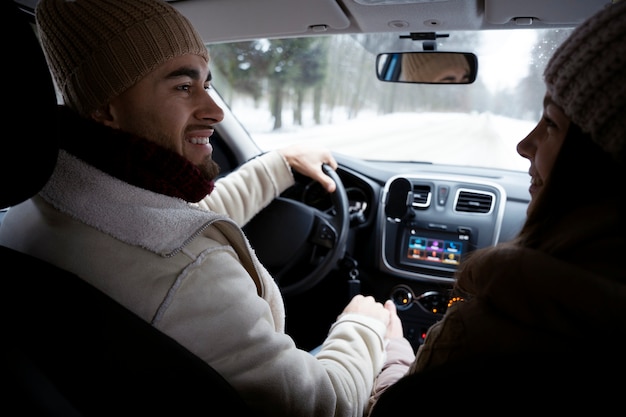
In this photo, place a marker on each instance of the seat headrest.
(29, 151)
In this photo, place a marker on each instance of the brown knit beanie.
(97, 49)
(586, 77)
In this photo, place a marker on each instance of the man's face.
(171, 106)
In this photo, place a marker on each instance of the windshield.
(324, 90)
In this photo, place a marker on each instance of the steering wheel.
(300, 244)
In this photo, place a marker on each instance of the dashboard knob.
(402, 296)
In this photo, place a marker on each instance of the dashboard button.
(442, 194)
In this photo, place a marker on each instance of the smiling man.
(131, 208)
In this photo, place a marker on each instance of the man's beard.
(209, 168)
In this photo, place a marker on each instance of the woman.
(565, 269)
(560, 285)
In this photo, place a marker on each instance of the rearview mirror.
(432, 67)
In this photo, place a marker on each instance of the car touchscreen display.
(425, 250)
(436, 251)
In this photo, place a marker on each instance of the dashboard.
(427, 224)
(420, 221)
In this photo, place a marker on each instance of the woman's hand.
(394, 329)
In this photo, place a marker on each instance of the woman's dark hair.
(583, 174)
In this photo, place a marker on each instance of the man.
(131, 208)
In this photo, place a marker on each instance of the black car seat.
(68, 349)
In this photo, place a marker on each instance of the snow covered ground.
(449, 138)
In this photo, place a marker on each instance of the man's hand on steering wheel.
(298, 243)
(308, 160)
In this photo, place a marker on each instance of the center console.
(429, 225)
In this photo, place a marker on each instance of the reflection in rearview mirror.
(432, 67)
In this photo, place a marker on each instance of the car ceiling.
(226, 20)
(233, 20)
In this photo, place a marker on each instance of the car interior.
(393, 229)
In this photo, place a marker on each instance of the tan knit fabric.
(97, 49)
(586, 76)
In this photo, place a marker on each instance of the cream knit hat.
(586, 77)
(97, 49)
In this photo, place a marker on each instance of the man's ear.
(103, 115)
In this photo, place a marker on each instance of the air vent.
(421, 196)
(471, 201)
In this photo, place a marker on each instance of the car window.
(325, 90)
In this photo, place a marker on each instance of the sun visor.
(300, 17)
(545, 11)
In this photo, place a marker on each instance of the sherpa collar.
(131, 214)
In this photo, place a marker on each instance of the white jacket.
(191, 273)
